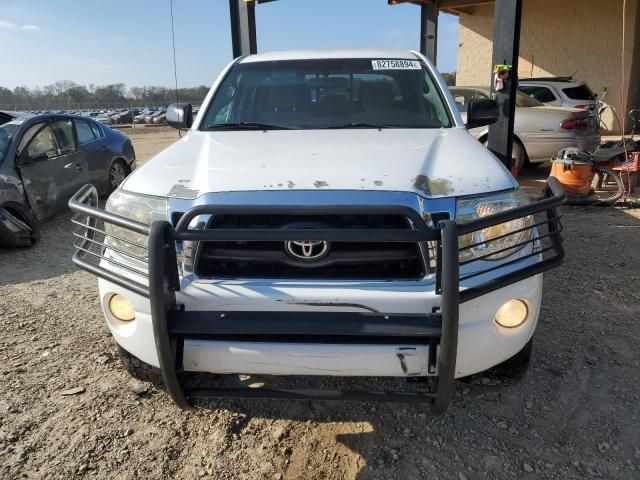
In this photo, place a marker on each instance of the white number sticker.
(396, 65)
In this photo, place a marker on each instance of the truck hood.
(432, 163)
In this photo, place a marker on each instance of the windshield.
(6, 133)
(334, 93)
(524, 100)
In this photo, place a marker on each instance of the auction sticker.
(396, 64)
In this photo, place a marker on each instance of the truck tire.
(138, 369)
(517, 366)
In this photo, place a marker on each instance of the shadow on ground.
(50, 257)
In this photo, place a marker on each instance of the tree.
(66, 94)
(6, 96)
(137, 93)
(79, 94)
(62, 86)
(110, 94)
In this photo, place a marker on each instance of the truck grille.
(341, 260)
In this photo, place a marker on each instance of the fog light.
(512, 314)
(121, 308)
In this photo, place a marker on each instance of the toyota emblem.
(307, 250)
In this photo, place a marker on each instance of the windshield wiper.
(247, 126)
(377, 125)
(357, 125)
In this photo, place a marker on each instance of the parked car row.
(154, 116)
(117, 117)
(151, 116)
(121, 116)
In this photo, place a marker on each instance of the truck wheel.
(139, 369)
(516, 366)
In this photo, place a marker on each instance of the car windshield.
(524, 100)
(334, 93)
(6, 133)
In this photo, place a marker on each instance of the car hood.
(432, 163)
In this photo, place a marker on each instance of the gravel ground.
(68, 410)
(150, 140)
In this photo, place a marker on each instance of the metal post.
(429, 30)
(243, 27)
(450, 308)
(506, 49)
(163, 282)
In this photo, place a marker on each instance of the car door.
(51, 167)
(92, 142)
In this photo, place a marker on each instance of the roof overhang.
(454, 7)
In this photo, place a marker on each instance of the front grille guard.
(153, 273)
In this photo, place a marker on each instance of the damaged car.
(7, 116)
(44, 159)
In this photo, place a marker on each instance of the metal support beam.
(429, 30)
(447, 4)
(243, 27)
(506, 49)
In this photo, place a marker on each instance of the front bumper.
(434, 329)
(481, 343)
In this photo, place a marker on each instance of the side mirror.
(180, 115)
(481, 113)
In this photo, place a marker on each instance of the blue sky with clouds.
(129, 41)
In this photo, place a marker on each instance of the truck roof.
(318, 54)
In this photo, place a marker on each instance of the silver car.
(540, 130)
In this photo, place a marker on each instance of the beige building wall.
(569, 37)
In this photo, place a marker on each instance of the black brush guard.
(172, 323)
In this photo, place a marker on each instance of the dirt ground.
(576, 414)
(148, 141)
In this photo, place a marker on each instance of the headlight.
(508, 234)
(141, 208)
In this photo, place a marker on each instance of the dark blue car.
(44, 159)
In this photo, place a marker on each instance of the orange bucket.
(574, 175)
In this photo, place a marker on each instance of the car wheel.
(518, 156)
(117, 173)
(23, 229)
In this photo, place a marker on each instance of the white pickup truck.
(327, 214)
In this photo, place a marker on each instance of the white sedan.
(540, 130)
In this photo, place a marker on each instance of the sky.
(129, 41)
